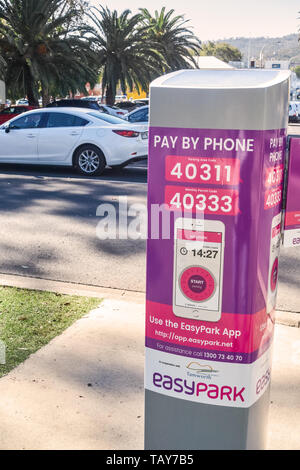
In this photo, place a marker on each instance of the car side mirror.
(7, 129)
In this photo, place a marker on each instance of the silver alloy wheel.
(88, 161)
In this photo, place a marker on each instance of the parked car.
(141, 101)
(23, 101)
(90, 98)
(126, 105)
(83, 138)
(92, 104)
(119, 98)
(112, 110)
(12, 111)
(140, 115)
(294, 111)
(74, 103)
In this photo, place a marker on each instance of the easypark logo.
(224, 393)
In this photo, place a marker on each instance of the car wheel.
(89, 160)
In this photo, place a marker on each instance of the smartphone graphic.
(198, 269)
(273, 263)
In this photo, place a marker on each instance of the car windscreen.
(107, 118)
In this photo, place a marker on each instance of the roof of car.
(21, 106)
(139, 109)
(71, 102)
(65, 109)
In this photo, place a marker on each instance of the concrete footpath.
(84, 390)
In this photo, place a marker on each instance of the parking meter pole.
(216, 168)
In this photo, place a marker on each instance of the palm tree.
(43, 49)
(125, 56)
(168, 33)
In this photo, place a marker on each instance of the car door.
(19, 139)
(59, 137)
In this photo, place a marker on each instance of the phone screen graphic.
(198, 269)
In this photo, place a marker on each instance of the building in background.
(211, 62)
(277, 64)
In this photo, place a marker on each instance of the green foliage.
(54, 47)
(44, 48)
(222, 51)
(170, 36)
(124, 54)
(133, 50)
(297, 71)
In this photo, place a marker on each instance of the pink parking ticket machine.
(216, 170)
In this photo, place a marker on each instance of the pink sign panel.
(292, 210)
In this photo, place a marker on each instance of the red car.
(12, 111)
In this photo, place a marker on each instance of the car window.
(103, 110)
(93, 105)
(8, 110)
(138, 116)
(29, 121)
(20, 110)
(62, 103)
(78, 104)
(80, 121)
(65, 120)
(107, 118)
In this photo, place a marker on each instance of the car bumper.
(131, 160)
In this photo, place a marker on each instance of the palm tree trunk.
(110, 95)
(28, 84)
(45, 95)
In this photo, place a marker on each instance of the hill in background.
(281, 48)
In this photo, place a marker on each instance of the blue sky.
(219, 19)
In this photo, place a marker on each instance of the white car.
(82, 138)
(139, 116)
(23, 101)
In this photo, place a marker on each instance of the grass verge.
(30, 319)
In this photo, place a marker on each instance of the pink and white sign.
(211, 287)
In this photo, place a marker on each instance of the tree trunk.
(29, 88)
(110, 96)
(45, 96)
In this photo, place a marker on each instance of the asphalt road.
(48, 230)
(48, 226)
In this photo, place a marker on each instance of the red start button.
(197, 284)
